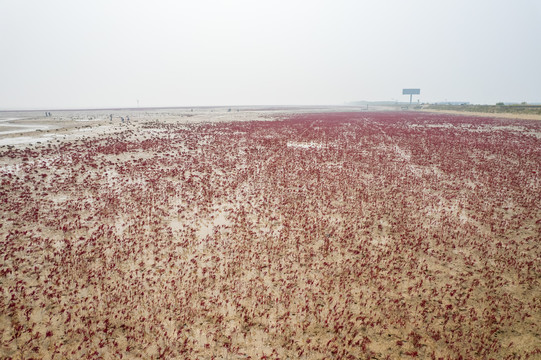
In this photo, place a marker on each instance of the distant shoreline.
(486, 114)
(519, 111)
(210, 107)
(508, 112)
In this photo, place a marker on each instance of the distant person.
(110, 117)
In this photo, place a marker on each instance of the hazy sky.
(89, 54)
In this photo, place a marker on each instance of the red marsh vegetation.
(311, 236)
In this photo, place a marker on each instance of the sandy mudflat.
(269, 233)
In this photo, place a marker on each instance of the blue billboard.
(411, 91)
